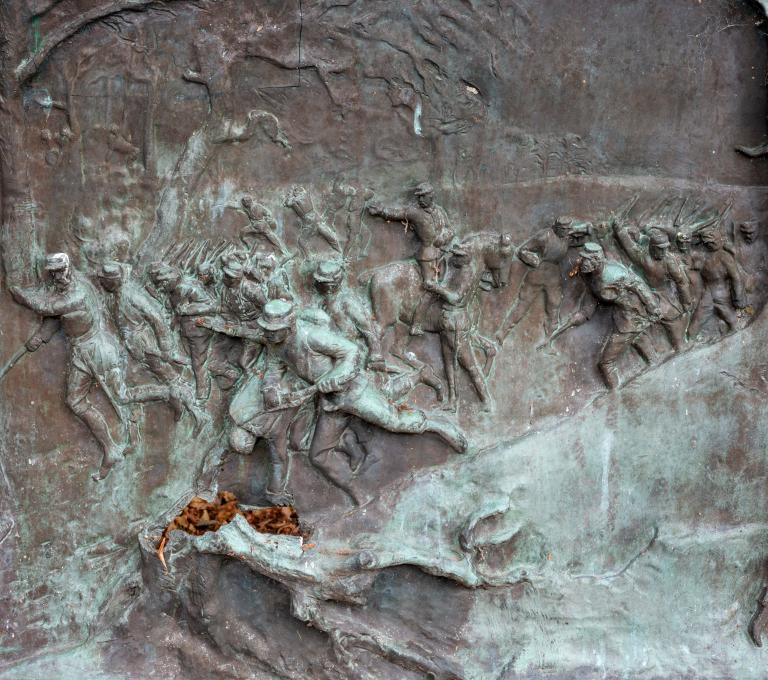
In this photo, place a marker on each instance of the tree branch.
(30, 64)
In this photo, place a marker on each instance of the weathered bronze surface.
(474, 288)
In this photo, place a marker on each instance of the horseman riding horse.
(399, 299)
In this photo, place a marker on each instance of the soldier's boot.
(421, 309)
(277, 489)
(355, 451)
(181, 397)
(114, 452)
(448, 432)
(280, 498)
(426, 375)
(610, 375)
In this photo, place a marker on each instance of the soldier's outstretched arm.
(344, 353)
(451, 297)
(198, 303)
(629, 245)
(587, 306)
(393, 213)
(533, 249)
(461, 282)
(197, 308)
(232, 329)
(646, 295)
(45, 331)
(41, 301)
(586, 309)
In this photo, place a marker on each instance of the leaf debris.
(200, 516)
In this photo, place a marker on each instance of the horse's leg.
(401, 337)
(384, 313)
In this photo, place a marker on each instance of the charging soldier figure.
(280, 415)
(665, 272)
(189, 300)
(752, 260)
(301, 202)
(71, 303)
(722, 285)
(430, 224)
(241, 302)
(347, 311)
(544, 254)
(139, 318)
(635, 309)
(330, 364)
(353, 319)
(456, 326)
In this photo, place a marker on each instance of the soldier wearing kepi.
(456, 326)
(347, 310)
(331, 364)
(752, 260)
(722, 284)
(241, 302)
(71, 303)
(148, 339)
(430, 224)
(312, 223)
(543, 253)
(189, 301)
(665, 272)
(635, 309)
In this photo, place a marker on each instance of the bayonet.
(17, 356)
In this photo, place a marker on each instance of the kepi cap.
(164, 273)
(233, 268)
(659, 238)
(329, 271)
(56, 262)
(111, 270)
(591, 248)
(277, 314)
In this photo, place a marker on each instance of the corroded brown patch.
(200, 516)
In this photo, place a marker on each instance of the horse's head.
(498, 257)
